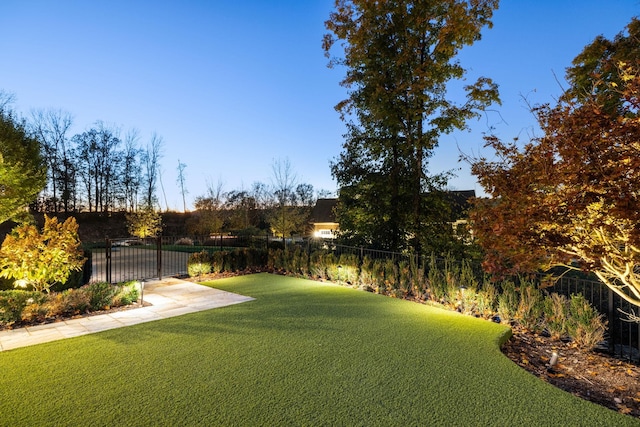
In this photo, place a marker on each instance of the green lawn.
(302, 353)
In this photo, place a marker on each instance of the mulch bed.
(592, 376)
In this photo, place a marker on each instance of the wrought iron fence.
(124, 259)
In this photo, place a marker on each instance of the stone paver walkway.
(168, 298)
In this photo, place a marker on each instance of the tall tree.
(285, 218)
(23, 171)
(571, 196)
(182, 183)
(400, 56)
(99, 161)
(131, 179)
(52, 128)
(151, 164)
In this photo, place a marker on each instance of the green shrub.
(507, 302)
(317, 269)
(331, 264)
(13, 302)
(378, 275)
(556, 310)
(217, 261)
(127, 294)
(435, 281)
(404, 278)
(585, 325)
(199, 263)
(530, 307)
(100, 295)
(52, 254)
(486, 300)
(365, 279)
(390, 275)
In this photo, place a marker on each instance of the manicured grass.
(302, 353)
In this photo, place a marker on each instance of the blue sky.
(233, 85)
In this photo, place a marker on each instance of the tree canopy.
(570, 197)
(23, 171)
(399, 57)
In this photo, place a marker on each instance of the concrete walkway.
(168, 298)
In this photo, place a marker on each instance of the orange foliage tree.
(571, 197)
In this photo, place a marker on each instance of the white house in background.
(323, 219)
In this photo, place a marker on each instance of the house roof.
(323, 211)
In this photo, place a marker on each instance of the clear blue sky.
(233, 85)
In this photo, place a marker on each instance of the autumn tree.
(400, 57)
(571, 196)
(23, 171)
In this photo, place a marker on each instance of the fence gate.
(126, 259)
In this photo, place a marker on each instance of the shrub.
(68, 302)
(556, 308)
(199, 263)
(13, 302)
(507, 302)
(366, 273)
(436, 281)
(530, 307)
(585, 325)
(317, 268)
(377, 272)
(127, 294)
(486, 300)
(38, 259)
(100, 295)
(217, 261)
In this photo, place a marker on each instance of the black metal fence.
(124, 259)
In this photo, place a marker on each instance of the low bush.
(101, 295)
(127, 294)
(585, 325)
(13, 303)
(530, 307)
(199, 263)
(556, 311)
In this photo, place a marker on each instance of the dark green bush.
(13, 302)
(101, 295)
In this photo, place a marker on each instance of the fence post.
(159, 253)
(107, 254)
(612, 322)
